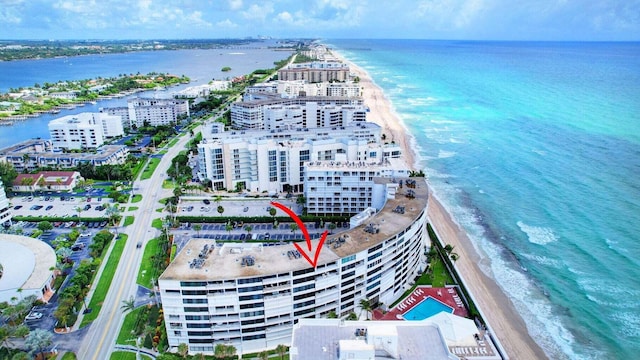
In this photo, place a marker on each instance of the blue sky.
(424, 19)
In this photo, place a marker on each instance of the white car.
(33, 316)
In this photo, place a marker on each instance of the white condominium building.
(300, 88)
(154, 112)
(314, 72)
(309, 112)
(5, 209)
(348, 187)
(251, 295)
(274, 160)
(84, 130)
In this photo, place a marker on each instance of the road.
(100, 339)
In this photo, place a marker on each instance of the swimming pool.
(426, 309)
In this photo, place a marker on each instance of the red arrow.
(302, 227)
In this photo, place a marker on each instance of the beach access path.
(496, 307)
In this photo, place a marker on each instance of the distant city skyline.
(601, 20)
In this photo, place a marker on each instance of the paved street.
(100, 339)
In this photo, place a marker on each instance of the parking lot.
(238, 206)
(264, 232)
(63, 206)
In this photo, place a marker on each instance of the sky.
(589, 20)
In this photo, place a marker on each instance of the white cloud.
(235, 4)
(226, 23)
(285, 16)
(446, 14)
(258, 12)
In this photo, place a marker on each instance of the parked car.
(33, 316)
(49, 207)
(206, 201)
(17, 207)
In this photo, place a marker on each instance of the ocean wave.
(543, 260)
(542, 322)
(540, 152)
(434, 121)
(631, 321)
(421, 101)
(442, 154)
(537, 234)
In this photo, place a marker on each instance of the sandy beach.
(496, 308)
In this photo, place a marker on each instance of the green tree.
(220, 209)
(197, 228)
(7, 174)
(44, 226)
(183, 350)
(365, 305)
(128, 305)
(38, 340)
(282, 350)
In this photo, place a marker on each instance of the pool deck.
(448, 296)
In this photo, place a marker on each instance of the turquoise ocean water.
(535, 149)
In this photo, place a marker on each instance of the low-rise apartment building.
(37, 153)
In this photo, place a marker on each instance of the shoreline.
(496, 308)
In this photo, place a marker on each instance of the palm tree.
(248, 228)
(365, 305)
(128, 305)
(293, 227)
(183, 350)
(197, 228)
(228, 227)
(113, 213)
(263, 355)
(281, 350)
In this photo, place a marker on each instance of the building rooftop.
(26, 262)
(301, 100)
(320, 339)
(225, 261)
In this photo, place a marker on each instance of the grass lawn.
(136, 170)
(146, 267)
(133, 208)
(128, 220)
(151, 167)
(128, 327)
(168, 184)
(439, 276)
(174, 141)
(125, 355)
(104, 283)
(136, 198)
(174, 249)
(272, 355)
(157, 223)
(69, 356)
